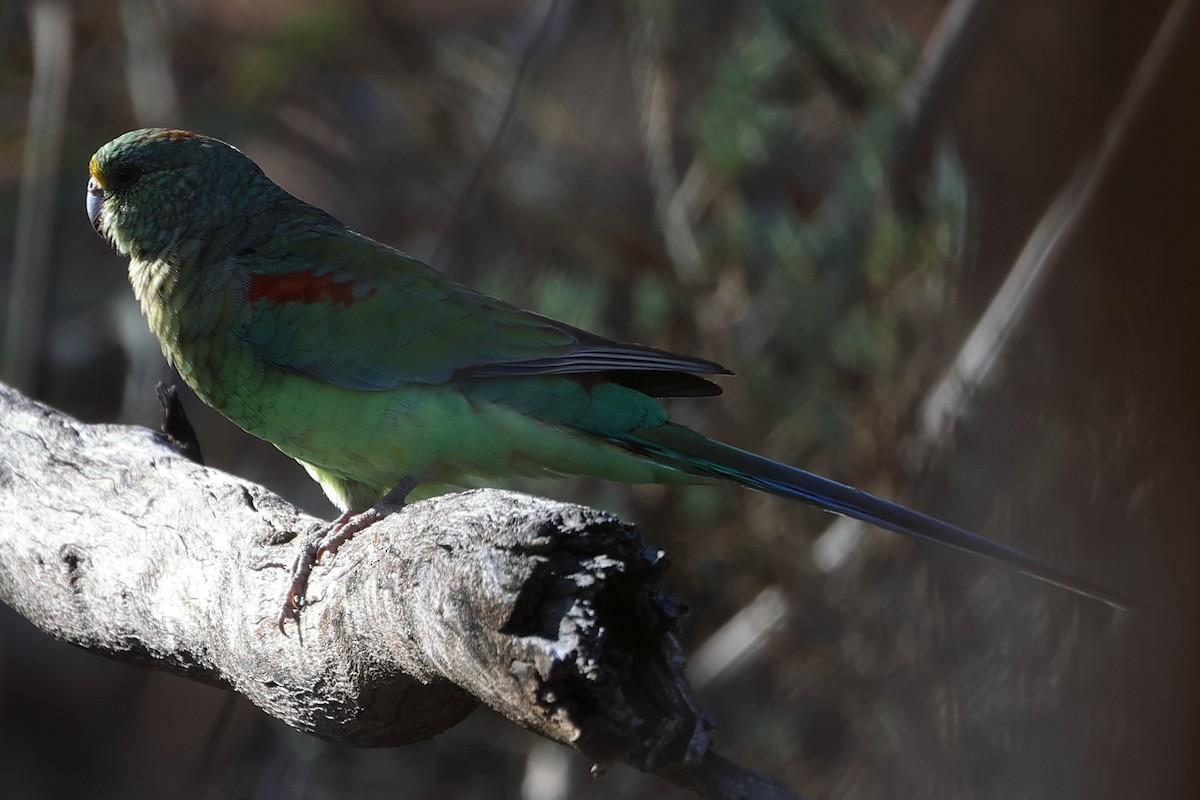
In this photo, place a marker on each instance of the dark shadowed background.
(830, 199)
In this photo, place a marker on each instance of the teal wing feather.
(338, 306)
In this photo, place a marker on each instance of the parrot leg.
(328, 540)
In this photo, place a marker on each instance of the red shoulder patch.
(305, 286)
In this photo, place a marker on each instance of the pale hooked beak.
(95, 200)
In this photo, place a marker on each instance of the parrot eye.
(125, 176)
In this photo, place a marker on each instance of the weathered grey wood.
(552, 614)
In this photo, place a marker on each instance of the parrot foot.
(326, 541)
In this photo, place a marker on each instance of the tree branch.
(551, 614)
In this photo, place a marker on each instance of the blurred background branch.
(541, 22)
(50, 24)
(676, 215)
(148, 63)
(983, 350)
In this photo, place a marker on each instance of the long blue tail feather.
(693, 453)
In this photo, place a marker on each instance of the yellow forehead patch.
(94, 171)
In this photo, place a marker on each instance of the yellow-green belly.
(359, 444)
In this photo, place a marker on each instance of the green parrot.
(378, 374)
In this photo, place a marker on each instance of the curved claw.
(328, 540)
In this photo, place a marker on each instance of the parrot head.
(155, 188)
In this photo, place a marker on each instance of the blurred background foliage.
(772, 184)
